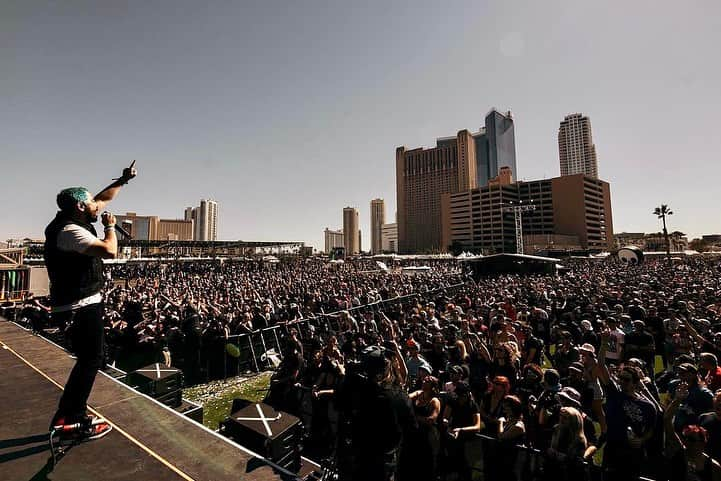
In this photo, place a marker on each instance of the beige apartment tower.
(576, 150)
(205, 220)
(422, 177)
(378, 218)
(351, 231)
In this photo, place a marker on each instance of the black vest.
(72, 276)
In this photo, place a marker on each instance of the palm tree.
(661, 213)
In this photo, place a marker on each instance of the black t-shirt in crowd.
(590, 337)
(462, 413)
(624, 411)
(636, 345)
(534, 343)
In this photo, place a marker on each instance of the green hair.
(68, 198)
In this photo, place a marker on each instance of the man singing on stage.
(73, 257)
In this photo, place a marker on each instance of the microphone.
(123, 231)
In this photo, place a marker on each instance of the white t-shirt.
(616, 340)
(73, 238)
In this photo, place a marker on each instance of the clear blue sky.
(287, 111)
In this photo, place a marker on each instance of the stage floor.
(149, 441)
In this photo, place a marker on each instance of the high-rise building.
(569, 210)
(351, 231)
(422, 176)
(389, 236)
(576, 150)
(205, 220)
(495, 146)
(333, 239)
(456, 164)
(378, 218)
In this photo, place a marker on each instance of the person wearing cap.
(698, 401)
(570, 397)
(577, 381)
(375, 417)
(547, 408)
(456, 376)
(588, 335)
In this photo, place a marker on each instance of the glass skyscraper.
(495, 147)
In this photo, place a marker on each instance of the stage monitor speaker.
(270, 433)
(157, 381)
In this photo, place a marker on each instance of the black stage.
(149, 441)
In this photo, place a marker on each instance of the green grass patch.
(217, 397)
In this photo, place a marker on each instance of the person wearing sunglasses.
(630, 419)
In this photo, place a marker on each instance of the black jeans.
(87, 342)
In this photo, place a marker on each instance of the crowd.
(606, 364)
(183, 313)
(609, 364)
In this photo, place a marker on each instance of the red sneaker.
(96, 430)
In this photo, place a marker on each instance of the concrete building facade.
(389, 238)
(333, 239)
(378, 218)
(569, 211)
(140, 227)
(351, 231)
(576, 151)
(175, 229)
(149, 227)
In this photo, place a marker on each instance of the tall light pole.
(518, 208)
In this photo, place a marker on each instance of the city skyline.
(234, 106)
